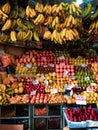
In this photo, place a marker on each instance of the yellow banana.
(7, 25)
(21, 35)
(53, 8)
(3, 15)
(39, 7)
(28, 36)
(47, 35)
(13, 36)
(35, 36)
(48, 20)
(21, 25)
(39, 20)
(73, 8)
(14, 23)
(30, 12)
(6, 8)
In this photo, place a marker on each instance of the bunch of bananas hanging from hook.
(64, 35)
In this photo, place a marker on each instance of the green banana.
(95, 15)
(87, 11)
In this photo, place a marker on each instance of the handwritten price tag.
(28, 66)
(35, 82)
(62, 64)
(62, 57)
(86, 78)
(93, 84)
(81, 100)
(46, 83)
(89, 90)
(33, 93)
(54, 90)
(71, 92)
(51, 65)
(43, 58)
(72, 86)
(65, 72)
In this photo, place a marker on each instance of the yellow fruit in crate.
(16, 90)
(20, 89)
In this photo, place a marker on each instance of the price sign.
(43, 58)
(71, 92)
(35, 82)
(89, 90)
(45, 66)
(28, 66)
(93, 84)
(81, 100)
(65, 72)
(62, 57)
(42, 77)
(46, 83)
(62, 64)
(51, 65)
(33, 93)
(71, 86)
(54, 90)
(86, 78)
(83, 65)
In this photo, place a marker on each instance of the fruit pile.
(85, 76)
(56, 98)
(59, 88)
(26, 64)
(65, 21)
(39, 98)
(81, 114)
(45, 58)
(29, 88)
(19, 99)
(62, 70)
(91, 97)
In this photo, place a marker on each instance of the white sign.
(54, 90)
(28, 66)
(35, 82)
(81, 100)
(46, 83)
(33, 93)
(86, 78)
(89, 90)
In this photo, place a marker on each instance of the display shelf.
(22, 45)
(28, 110)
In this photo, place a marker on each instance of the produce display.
(40, 73)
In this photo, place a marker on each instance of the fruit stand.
(49, 65)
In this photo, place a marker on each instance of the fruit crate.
(72, 124)
(82, 124)
(91, 123)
